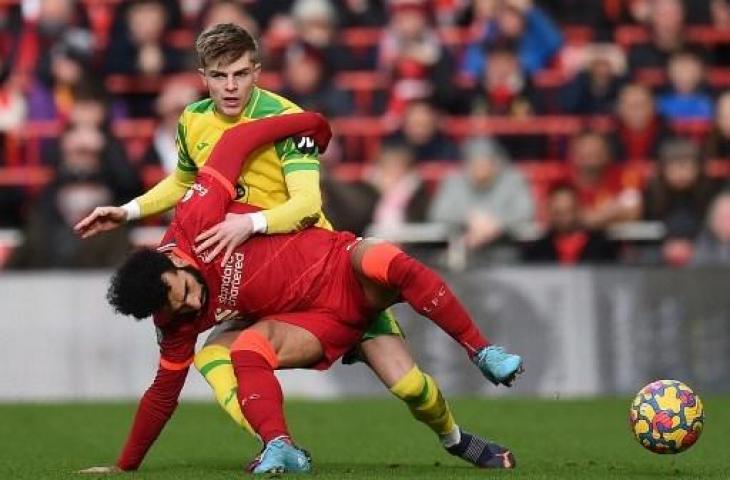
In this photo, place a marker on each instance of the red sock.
(259, 394)
(425, 291)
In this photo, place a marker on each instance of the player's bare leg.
(255, 354)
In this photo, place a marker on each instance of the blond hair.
(223, 44)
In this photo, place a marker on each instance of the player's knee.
(412, 386)
(210, 354)
(374, 259)
(256, 341)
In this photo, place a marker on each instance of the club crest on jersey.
(202, 191)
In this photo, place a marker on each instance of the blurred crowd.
(544, 125)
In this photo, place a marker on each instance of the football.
(666, 416)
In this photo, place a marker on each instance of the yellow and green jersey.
(278, 178)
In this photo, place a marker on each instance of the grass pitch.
(361, 439)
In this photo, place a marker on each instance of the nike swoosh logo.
(202, 145)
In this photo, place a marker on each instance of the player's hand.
(102, 470)
(102, 219)
(227, 235)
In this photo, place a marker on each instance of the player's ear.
(256, 72)
(203, 78)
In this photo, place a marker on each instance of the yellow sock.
(425, 401)
(214, 363)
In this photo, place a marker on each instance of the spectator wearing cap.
(421, 132)
(639, 130)
(687, 98)
(488, 198)
(718, 143)
(566, 240)
(537, 38)
(307, 82)
(412, 56)
(679, 196)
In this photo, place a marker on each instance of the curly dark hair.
(137, 288)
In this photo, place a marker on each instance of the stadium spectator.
(51, 93)
(475, 16)
(141, 49)
(420, 131)
(85, 179)
(87, 150)
(713, 244)
(13, 108)
(308, 83)
(361, 13)
(721, 21)
(638, 129)
(599, 15)
(666, 21)
(400, 194)
(228, 11)
(316, 25)
(679, 196)
(488, 199)
(687, 99)
(412, 56)
(12, 116)
(608, 193)
(566, 240)
(718, 143)
(58, 22)
(505, 88)
(523, 23)
(169, 105)
(593, 91)
(50, 241)
(348, 205)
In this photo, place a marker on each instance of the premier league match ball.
(666, 416)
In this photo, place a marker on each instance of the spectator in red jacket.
(608, 193)
(566, 240)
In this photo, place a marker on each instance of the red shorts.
(340, 314)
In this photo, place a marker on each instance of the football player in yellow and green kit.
(283, 180)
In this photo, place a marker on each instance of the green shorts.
(384, 323)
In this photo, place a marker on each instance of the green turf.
(361, 439)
